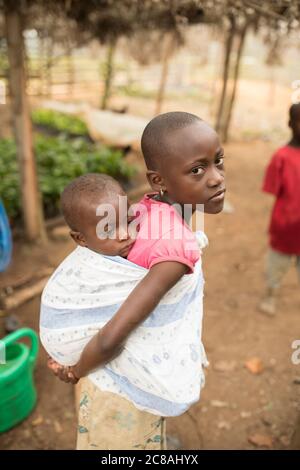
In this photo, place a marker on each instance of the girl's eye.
(220, 161)
(198, 171)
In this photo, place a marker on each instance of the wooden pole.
(108, 73)
(240, 47)
(167, 52)
(226, 71)
(22, 124)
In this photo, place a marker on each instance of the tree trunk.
(22, 124)
(167, 52)
(41, 65)
(226, 70)
(71, 71)
(227, 119)
(108, 73)
(272, 87)
(48, 67)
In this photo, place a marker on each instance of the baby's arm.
(109, 341)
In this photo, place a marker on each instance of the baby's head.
(184, 160)
(103, 233)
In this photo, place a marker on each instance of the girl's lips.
(219, 196)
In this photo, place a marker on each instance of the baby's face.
(105, 228)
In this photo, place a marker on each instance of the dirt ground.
(237, 407)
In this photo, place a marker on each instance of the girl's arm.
(109, 341)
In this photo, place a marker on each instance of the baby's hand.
(64, 373)
(67, 375)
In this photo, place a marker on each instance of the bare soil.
(236, 406)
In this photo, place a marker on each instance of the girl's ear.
(78, 238)
(155, 180)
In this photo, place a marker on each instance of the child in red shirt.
(282, 179)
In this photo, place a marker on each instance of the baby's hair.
(84, 191)
(154, 138)
(294, 111)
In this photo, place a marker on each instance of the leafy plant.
(9, 177)
(59, 161)
(59, 122)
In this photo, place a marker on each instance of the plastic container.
(17, 390)
(5, 239)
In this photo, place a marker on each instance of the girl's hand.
(64, 373)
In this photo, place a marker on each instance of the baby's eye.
(198, 171)
(130, 219)
(108, 229)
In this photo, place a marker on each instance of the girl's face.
(193, 172)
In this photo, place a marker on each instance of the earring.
(161, 192)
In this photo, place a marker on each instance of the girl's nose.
(215, 178)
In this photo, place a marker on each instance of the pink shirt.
(163, 236)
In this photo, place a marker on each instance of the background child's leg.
(107, 421)
(276, 267)
(298, 266)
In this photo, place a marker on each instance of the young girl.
(184, 166)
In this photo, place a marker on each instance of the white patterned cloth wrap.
(160, 368)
